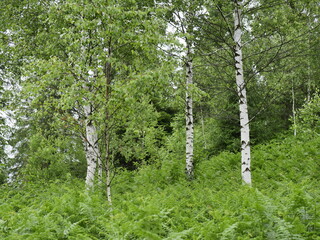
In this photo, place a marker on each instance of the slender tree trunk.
(108, 173)
(241, 88)
(309, 86)
(189, 117)
(100, 169)
(309, 68)
(91, 137)
(91, 147)
(100, 165)
(294, 111)
(203, 130)
(107, 133)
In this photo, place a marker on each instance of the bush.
(308, 117)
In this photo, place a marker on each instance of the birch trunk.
(92, 149)
(189, 118)
(293, 111)
(309, 86)
(203, 130)
(241, 88)
(108, 173)
(99, 169)
(107, 133)
(309, 68)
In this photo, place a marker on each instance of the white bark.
(108, 76)
(189, 119)
(108, 180)
(294, 111)
(243, 107)
(99, 169)
(92, 149)
(108, 167)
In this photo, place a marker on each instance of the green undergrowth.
(157, 203)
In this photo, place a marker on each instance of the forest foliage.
(106, 100)
(156, 203)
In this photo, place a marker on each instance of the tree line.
(94, 87)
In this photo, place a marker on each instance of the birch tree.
(269, 44)
(82, 51)
(108, 80)
(184, 21)
(241, 88)
(91, 147)
(189, 113)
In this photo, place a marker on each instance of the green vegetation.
(159, 119)
(154, 203)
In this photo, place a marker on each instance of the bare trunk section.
(108, 180)
(91, 147)
(309, 68)
(100, 169)
(243, 107)
(294, 111)
(309, 85)
(203, 130)
(189, 117)
(107, 162)
(108, 78)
